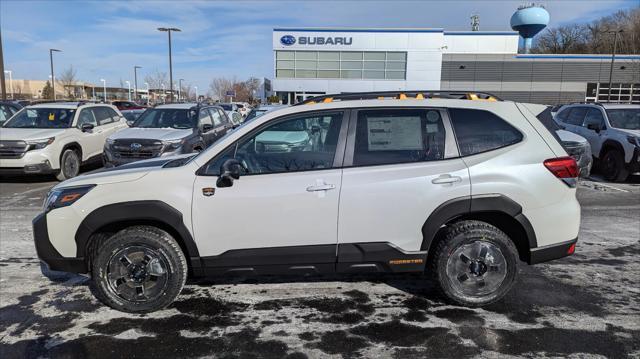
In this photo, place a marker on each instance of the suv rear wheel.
(613, 166)
(69, 165)
(139, 269)
(475, 264)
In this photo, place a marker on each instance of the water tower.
(529, 20)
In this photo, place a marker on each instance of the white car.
(613, 131)
(387, 186)
(233, 112)
(56, 138)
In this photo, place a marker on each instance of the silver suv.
(613, 131)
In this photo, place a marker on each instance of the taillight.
(565, 168)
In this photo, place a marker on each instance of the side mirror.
(130, 123)
(594, 127)
(229, 171)
(207, 127)
(86, 127)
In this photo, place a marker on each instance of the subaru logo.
(135, 147)
(287, 40)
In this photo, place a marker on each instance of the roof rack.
(402, 95)
(587, 103)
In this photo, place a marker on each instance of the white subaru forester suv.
(56, 138)
(418, 182)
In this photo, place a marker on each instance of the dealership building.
(316, 61)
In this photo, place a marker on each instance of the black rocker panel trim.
(315, 259)
(130, 212)
(461, 206)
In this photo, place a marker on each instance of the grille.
(136, 148)
(13, 149)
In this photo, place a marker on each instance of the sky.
(105, 39)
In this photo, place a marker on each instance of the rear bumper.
(552, 251)
(48, 254)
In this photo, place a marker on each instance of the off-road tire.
(617, 173)
(66, 173)
(149, 236)
(466, 232)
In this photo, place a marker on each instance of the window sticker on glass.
(432, 122)
(396, 134)
(52, 116)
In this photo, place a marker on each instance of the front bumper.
(48, 254)
(552, 251)
(634, 165)
(38, 168)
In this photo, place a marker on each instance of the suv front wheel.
(475, 264)
(69, 165)
(613, 166)
(139, 269)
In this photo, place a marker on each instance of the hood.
(30, 133)
(163, 134)
(283, 136)
(567, 136)
(629, 132)
(125, 173)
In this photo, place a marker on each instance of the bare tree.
(156, 78)
(244, 90)
(67, 80)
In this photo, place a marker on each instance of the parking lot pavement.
(588, 303)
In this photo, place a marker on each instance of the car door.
(91, 141)
(400, 165)
(228, 124)
(219, 126)
(284, 207)
(594, 117)
(575, 119)
(205, 119)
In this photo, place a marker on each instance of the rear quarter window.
(480, 131)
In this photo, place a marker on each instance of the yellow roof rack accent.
(310, 102)
(380, 97)
(419, 97)
(402, 97)
(328, 99)
(472, 96)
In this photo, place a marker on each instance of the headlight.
(62, 197)
(40, 143)
(634, 140)
(172, 145)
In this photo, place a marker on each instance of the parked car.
(387, 188)
(613, 131)
(131, 115)
(232, 111)
(56, 137)
(8, 109)
(167, 130)
(243, 108)
(127, 105)
(261, 110)
(576, 146)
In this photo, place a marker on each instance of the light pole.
(129, 86)
(148, 93)
(164, 93)
(169, 30)
(135, 81)
(104, 89)
(13, 96)
(196, 88)
(53, 78)
(180, 89)
(613, 57)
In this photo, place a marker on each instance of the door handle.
(446, 179)
(321, 187)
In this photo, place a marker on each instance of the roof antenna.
(475, 22)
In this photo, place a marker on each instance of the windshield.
(625, 118)
(41, 118)
(131, 115)
(166, 118)
(225, 106)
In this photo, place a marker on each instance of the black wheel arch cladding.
(496, 209)
(124, 214)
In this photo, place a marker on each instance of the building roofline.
(576, 56)
(356, 29)
(454, 33)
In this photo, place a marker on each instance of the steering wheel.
(248, 162)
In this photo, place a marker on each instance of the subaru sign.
(287, 40)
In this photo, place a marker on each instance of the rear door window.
(480, 131)
(594, 117)
(576, 116)
(398, 136)
(102, 115)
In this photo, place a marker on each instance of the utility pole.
(135, 82)
(180, 89)
(2, 84)
(53, 77)
(613, 57)
(169, 30)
